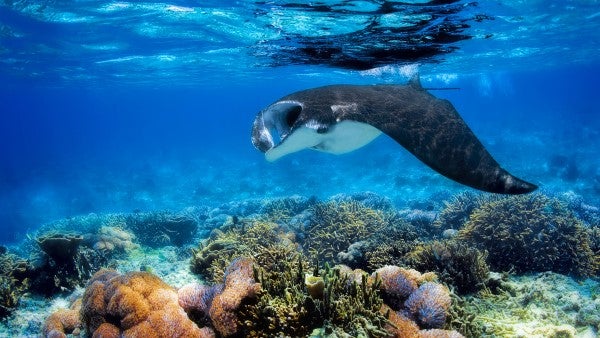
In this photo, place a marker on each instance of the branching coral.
(389, 245)
(138, 304)
(284, 209)
(531, 233)
(265, 241)
(457, 211)
(352, 305)
(15, 275)
(336, 225)
(456, 264)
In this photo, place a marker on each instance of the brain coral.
(63, 321)
(138, 304)
(531, 233)
(429, 305)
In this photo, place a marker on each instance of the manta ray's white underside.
(342, 137)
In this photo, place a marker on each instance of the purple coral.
(396, 285)
(429, 305)
(197, 297)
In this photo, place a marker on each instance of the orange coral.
(137, 304)
(400, 326)
(63, 321)
(396, 284)
(107, 330)
(239, 285)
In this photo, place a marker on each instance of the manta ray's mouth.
(274, 124)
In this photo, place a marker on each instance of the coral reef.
(334, 226)
(531, 233)
(283, 209)
(346, 304)
(538, 306)
(138, 304)
(455, 263)
(162, 228)
(387, 246)
(414, 299)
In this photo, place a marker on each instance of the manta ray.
(341, 118)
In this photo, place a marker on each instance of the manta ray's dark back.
(428, 127)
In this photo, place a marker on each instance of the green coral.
(265, 241)
(531, 233)
(14, 281)
(335, 225)
(390, 245)
(283, 305)
(352, 306)
(455, 263)
(348, 308)
(283, 209)
(457, 211)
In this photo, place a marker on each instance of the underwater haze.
(135, 108)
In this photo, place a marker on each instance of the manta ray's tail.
(508, 184)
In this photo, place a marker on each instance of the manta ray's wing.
(432, 130)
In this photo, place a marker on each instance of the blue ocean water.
(121, 106)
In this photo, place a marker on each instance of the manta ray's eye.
(292, 115)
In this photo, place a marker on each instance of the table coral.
(139, 304)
